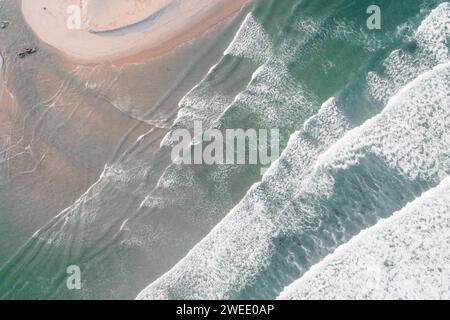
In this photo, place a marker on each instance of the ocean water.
(364, 120)
(370, 266)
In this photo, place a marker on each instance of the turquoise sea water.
(364, 118)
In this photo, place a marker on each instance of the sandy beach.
(103, 31)
(62, 121)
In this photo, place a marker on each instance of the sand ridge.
(98, 17)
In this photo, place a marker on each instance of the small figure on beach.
(26, 52)
(4, 24)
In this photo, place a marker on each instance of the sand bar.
(102, 31)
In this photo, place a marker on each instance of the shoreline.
(147, 39)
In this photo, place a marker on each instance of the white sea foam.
(402, 66)
(274, 97)
(205, 104)
(237, 247)
(434, 32)
(251, 41)
(198, 105)
(411, 135)
(336, 29)
(406, 256)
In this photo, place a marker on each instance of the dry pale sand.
(117, 14)
(114, 29)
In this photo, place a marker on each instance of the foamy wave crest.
(285, 104)
(406, 256)
(428, 48)
(251, 42)
(421, 110)
(205, 102)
